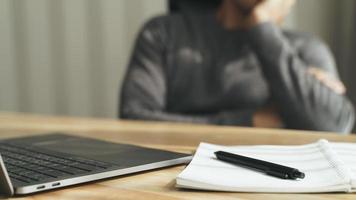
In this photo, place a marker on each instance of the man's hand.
(270, 11)
(332, 83)
(245, 14)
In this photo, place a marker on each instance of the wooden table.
(157, 184)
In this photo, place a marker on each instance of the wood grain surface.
(158, 184)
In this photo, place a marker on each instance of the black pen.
(268, 168)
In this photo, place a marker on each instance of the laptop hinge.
(6, 187)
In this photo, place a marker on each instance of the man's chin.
(244, 8)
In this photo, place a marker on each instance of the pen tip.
(299, 174)
(302, 175)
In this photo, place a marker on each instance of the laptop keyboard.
(28, 165)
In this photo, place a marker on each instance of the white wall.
(316, 17)
(67, 57)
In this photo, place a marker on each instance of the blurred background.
(68, 57)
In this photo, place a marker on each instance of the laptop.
(38, 163)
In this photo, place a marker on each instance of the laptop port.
(41, 187)
(56, 184)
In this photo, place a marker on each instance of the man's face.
(246, 6)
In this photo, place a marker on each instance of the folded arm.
(305, 100)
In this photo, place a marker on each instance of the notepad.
(328, 167)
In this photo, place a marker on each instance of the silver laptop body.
(39, 163)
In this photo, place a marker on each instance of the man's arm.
(144, 89)
(304, 101)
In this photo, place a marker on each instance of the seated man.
(235, 67)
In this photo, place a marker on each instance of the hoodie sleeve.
(303, 101)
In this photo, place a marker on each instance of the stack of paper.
(328, 167)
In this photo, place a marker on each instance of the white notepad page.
(324, 171)
(347, 154)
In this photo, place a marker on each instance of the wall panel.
(67, 57)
